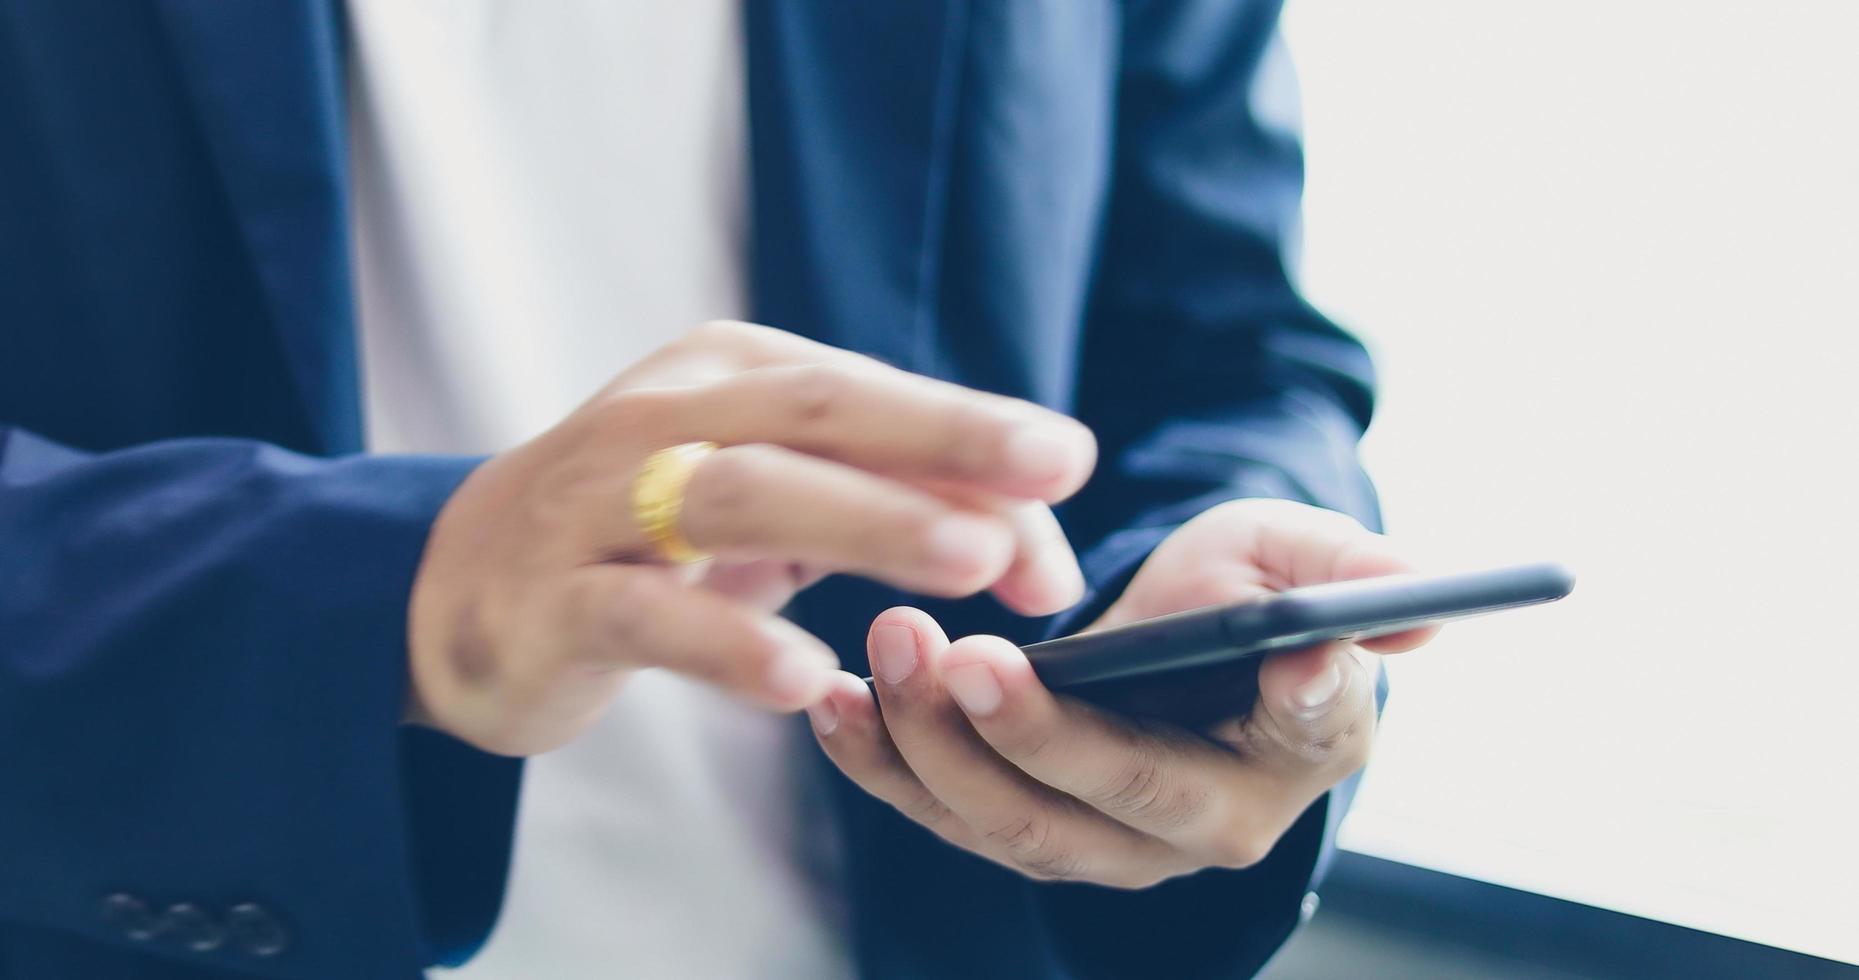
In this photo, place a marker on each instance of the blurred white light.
(1608, 256)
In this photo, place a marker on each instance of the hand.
(970, 745)
(538, 595)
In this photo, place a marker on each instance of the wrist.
(432, 597)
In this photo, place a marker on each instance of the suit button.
(256, 930)
(130, 916)
(188, 925)
(1307, 909)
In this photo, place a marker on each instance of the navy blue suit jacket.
(1085, 203)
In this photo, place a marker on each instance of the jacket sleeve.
(202, 676)
(1207, 378)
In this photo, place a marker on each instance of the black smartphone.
(1357, 609)
(1201, 665)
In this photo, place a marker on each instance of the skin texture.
(971, 746)
(537, 596)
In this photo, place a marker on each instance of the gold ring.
(658, 498)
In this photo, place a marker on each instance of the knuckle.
(1145, 789)
(1025, 744)
(818, 393)
(723, 486)
(1248, 738)
(1348, 747)
(1136, 785)
(923, 807)
(1341, 745)
(1051, 867)
(975, 440)
(1032, 844)
(1021, 835)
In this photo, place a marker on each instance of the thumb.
(1316, 710)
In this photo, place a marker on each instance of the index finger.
(895, 423)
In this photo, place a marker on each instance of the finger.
(1216, 579)
(1401, 642)
(719, 348)
(1162, 781)
(761, 501)
(897, 423)
(767, 585)
(1021, 822)
(638, 616)
(1373, 558)
(850, 730)
(1044, 577)
(1314, 720)
(753, 345)
(1303, 545)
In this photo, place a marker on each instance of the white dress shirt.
(543, 193)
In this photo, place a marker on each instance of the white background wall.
(1608, 255)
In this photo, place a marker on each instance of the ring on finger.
(658, 499)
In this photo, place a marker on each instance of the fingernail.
(893, 652)
(961, 540)
(1320, 690)
(824, 715)
(1040, 452)
(974, 687)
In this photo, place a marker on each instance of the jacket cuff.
(211, 675)
(461, 822)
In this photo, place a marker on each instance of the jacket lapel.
(266, 81)
(852, 113)
(852, 110)
(848, 178)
